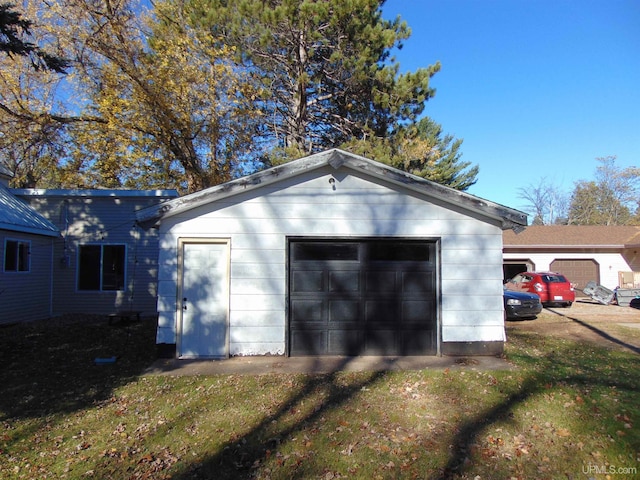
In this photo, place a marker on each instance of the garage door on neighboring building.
(578, 272)
(362, 297)
(511, 268)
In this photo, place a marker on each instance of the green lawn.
(566, 410)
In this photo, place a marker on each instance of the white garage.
(331, 254)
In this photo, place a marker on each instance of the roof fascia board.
(39, 192)
(263, 178)
(509, 217)
(30, 230)
(562, 248)
(556, 247)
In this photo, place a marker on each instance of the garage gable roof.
(337, 159)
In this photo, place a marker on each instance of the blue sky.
(538, 89)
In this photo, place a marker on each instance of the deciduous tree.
(158, 104)
(172, 108)
(153, 99)
(609, 198)
(32, 133)
(546, 202)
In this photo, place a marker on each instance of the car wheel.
(567, 305)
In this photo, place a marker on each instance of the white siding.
(259, 222)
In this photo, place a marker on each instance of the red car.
(552, 288)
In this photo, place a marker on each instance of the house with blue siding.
(76, 251)
(331, 254)
(27, 242)
(102, 261)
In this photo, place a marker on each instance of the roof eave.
(30, 230)
(154, 214)
(508, 218)
(40, 192)
(564, 247)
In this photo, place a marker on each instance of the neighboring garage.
(604, 254)
(369, 296)
(331, 254)
(578, 271)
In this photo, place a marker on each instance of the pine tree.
(14, 27)
(324, 68)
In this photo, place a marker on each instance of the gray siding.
(26, 296)
(259, 222)
(100, 218)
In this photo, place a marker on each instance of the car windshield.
(553, 278)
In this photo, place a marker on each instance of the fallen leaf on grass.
(349, 449)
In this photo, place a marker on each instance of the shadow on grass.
(46, 371)
(598, 331)
(243, 457)
(575, 365)
(49, 370)
(240, 457)
(48, 367)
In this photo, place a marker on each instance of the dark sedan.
(521, 305)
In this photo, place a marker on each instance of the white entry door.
(204, 298)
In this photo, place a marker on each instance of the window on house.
(16, 256)
(101, 267)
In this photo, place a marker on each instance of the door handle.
(184, 303)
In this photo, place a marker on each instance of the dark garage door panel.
(579, 272)
(362, 303)
(307, 340)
